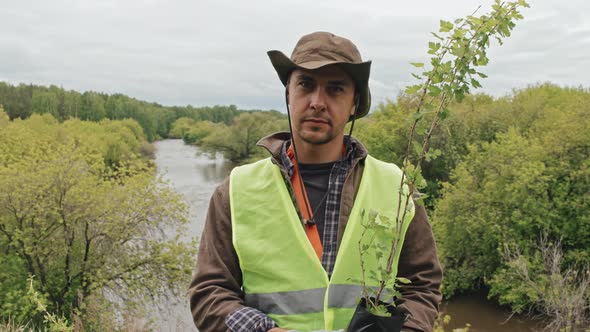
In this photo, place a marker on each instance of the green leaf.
(379, 310)
(475, 83)
(434, 90)
(523, 3)
(413, 89)
(433, 47)
(482, 75)
(419, 181)
(437, 36)
(417, 64)
(445, 26)
(459, 96)
(417, 147)
(436, 78)
(404, 280)
(444, 114)
(482, 61)
(458, 50)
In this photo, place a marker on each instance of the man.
(279, 249)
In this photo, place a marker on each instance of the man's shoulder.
(250, 166)
(222, 189)
(382, 163)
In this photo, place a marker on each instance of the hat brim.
(358, 71)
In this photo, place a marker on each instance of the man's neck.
(319, 153)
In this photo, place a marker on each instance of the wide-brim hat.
(320, 49)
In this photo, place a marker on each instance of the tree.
(530, 180)
(72, 105)
(92, 107)
(561, 294)
(45, 102)
(114, 107)
(238, 141)
(81, 228)
(180, 127)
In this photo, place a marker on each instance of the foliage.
(561, 294)
(56, 324)
(87, 221)
(443, 321)
(156, 120)
(92, 107)
(510, 169)
(532, 179)
(237, 141)
(180, 127)
(465, 42)
(216, 114)
(200, 130)
(44, 102)
(378, 231)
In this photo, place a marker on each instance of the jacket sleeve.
(419, 263)
(215, 289)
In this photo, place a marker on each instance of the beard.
(315, 134)
(327, 137)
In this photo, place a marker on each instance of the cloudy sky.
(206, 52)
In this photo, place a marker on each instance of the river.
(196, 175)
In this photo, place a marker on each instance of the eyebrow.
(306, 77)
(339, 82)
(303, 76)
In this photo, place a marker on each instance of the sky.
(213, 52)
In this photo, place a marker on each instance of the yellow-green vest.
(282, 276)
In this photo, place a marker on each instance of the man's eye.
(305, 84)
(335, 89)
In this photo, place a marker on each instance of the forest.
(83, 213)
(23, 100)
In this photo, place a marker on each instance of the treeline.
(511, 180)
(82, 214)
(23, 100)
(236, 140)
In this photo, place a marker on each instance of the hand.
(277, 329)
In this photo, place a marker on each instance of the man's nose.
(318, 99)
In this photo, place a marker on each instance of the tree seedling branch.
(459, 48)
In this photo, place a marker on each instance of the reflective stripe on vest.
(281, 274)
(305, 301)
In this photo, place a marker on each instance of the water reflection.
(216, 171)
(195, 175)
(484, 315)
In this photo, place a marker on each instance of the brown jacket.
(215, 290)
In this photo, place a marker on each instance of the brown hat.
(320, 49)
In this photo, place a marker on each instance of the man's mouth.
(317, 121)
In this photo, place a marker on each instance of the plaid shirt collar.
(351, 146)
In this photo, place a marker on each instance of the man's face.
(321, 101)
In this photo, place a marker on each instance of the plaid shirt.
(250, 319)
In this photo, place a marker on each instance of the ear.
(355, 105)
(287, 95)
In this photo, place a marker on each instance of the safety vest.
(281, 273)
